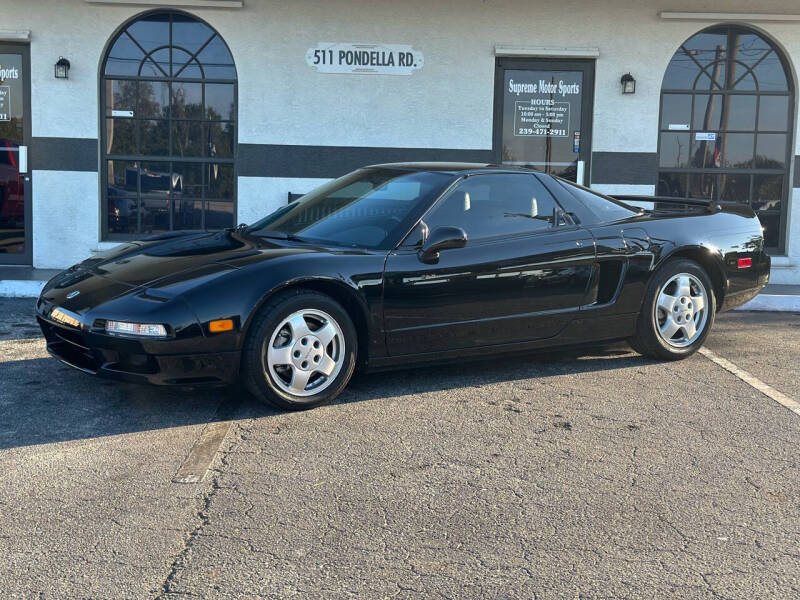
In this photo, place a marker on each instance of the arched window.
(725, 128)
(168, 102)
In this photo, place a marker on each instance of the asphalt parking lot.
(592, 474)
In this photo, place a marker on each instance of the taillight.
(745, 263)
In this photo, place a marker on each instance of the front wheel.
(677, 312)
(300, 351)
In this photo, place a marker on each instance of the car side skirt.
(580, 332)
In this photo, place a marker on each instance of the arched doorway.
(725, 133)
(168, 120)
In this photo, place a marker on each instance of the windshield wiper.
(275, 235)
(280, 235)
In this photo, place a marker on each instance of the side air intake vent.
(608, 280)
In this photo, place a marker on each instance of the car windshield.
(369, 208)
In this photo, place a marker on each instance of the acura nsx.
(401, 264)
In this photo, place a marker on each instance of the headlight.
(140, 329)
(62, 317)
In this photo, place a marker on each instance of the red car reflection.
(12, 191)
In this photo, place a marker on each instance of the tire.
(300, 351)
(675, 311)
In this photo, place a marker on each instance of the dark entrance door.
(543, 115)
(15, 200)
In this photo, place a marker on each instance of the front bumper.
(124, 359)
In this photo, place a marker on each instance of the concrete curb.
(23, 288)
(773, 303)
(20, 288)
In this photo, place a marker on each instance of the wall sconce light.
(628, 84)
(62, 68)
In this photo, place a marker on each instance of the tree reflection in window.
(169, 134)
(724, 134)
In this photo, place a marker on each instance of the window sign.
(9, 72)
(542, 119)
(376, 59)
(5, 101)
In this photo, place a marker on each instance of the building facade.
(204, 114)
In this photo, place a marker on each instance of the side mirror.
(442, 238)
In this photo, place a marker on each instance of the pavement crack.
(203, 519)
(710, 587)
(755, 486)
(181, 558)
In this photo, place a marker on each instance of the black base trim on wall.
(63, 154)
(275, 160)
(626, 168)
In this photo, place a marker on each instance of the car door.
(520, 277)
(623, 247)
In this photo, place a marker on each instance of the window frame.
(686, 173)
(568, 223)
(205, 161)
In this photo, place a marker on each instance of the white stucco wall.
(447, 104)
(64, 207)
(623, 189)
(259, 196)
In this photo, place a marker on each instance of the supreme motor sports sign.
(376, 59)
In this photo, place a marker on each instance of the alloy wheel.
(681, 310)
(305, 352)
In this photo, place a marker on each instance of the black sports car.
(398, 264)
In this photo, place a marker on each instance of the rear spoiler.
(707, 204)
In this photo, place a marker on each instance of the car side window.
(492, 205)
(605, 209)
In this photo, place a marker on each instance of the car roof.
(454, 167)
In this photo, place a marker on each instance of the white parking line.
(752, 381)
(195, 467)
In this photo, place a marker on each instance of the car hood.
(161, 266)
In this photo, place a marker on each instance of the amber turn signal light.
(220, 325)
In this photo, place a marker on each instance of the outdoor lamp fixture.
(628, 84)
(62, 68)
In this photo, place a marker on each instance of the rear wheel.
(677, 312)
(300, 352)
